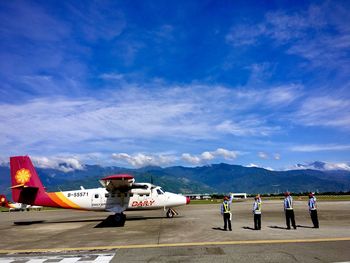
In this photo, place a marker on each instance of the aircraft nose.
(187, 200)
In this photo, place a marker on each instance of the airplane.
(11, 206)
(119, 193)
(16, 206)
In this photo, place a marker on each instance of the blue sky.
(134, 83)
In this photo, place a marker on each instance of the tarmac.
(195, 235)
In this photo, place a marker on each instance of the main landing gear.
(171, 213)
(119, 219)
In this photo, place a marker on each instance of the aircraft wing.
(120, 182)
(120, 188)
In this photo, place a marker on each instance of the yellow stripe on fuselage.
(64, 199)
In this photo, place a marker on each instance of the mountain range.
(215, 178)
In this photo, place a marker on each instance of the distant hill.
(219, 178)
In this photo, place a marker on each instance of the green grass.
(296, 198)
(319, 198)
(211, 201)
(4, 209)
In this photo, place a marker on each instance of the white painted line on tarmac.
(66, 258)
(36, 260)
(70, 260)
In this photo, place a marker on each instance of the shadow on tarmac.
(107, 222)
(27, 223)
(278, 227)
(110, 221)
(305, 226)
(248, 227)
(218, 228)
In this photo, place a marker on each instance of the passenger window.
(106, 195)
(97, 196)
(159, 192)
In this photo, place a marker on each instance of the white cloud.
(207, 156)
(226, 154)
(315, 34)
(138, 117)
(192, 159)
(4, 161)
(279, 26)
(277, 156)
(112, 76)
(98, 21)
(319, 148)
(324, 111)
(248, 127)
(141, 160)
(259, 166)
(252, 165)
(337, 166)
(189, 113)
(263, 155)
(64, 164)
(322, 166)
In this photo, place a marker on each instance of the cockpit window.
(160, 191)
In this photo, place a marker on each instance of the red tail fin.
(3, 201)
(26, 185)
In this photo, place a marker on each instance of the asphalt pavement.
(195, 235)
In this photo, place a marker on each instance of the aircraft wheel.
(169, 214)
(119, 219)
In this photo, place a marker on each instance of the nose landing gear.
(171, 213)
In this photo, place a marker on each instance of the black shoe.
(295, 228)
(288, 228)
(225, 229)
(230, 229)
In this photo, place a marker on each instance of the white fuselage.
(99, 199)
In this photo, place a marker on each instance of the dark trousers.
(289, 218)
(257, 221)
(314, 218)
(227, 220)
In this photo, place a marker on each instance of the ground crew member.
(288, 210)
(257, 212)
(226, 212)
(313, 210)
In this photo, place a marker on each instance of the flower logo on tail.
(22, 176)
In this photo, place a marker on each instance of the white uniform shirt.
(288, 203)
(257, 207)
(312, 203)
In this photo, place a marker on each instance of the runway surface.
(194, 236)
